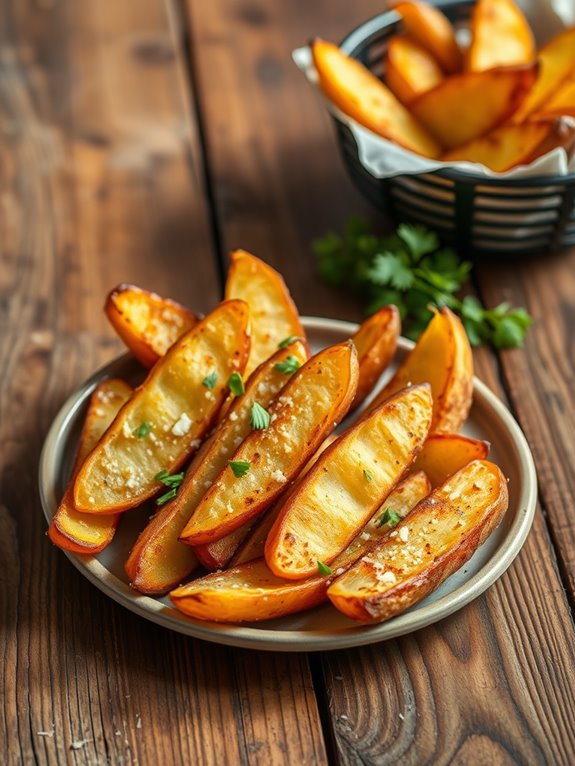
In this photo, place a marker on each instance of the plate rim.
(242, 636)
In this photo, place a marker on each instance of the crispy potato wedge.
(274, 316)
(495, 95)
(70, 529)
(347, 485)
(500, 36)
(364, 98)
(443, 455)
(252, 592)
(561, 103)
(310, 406)
(431, 543)
(556, 63)
(375, 341)
(159, 561)
(409, 68)
(147, 323)
(175, 406)
(442, 357)
(508, 146)
(433, 31)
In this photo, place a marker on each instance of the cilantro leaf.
(239, 467)
(389, 517)
(259, 417)
(418, 239)
(289, 365)
(142, 430)
(210, 380)
(236, 384)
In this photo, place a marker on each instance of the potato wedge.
(364, 98)
(159, 561)
(442, 357)
(500, 36)
(410, 69)
(432, 30)
(431, 543)
(147, 323)
(508, 146)
(556, 63)
(274, 316)
(310, 406)
(174, 408)
(495, 95)
(252, 592)
(375, 341)
(347, 485)
(443, 455)
(561, 103)
(70, 529)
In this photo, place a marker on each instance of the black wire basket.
(479, 215)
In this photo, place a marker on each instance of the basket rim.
(358, 36)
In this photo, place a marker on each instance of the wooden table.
(140, 141)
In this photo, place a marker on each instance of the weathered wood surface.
(104, 119)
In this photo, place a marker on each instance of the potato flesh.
(273, 314)
(147, 323)
(410, 69)
(310, 406)
(501, 36)
(442, 357)
(434, 540)
(495, 95)
(443, 455)
(159, 560)
(120, 472)
(71, 529)
(347, 484)
(252, 592)
(364, 98)
(375, 341)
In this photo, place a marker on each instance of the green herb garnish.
(170, 495)
(236, 384)
(323, 569)
(239, 467)
(259, 417)
(389, 517)
(413, 271)
(172, 481)
(142, 430)
(210, 380)
(367, 475)
(289, 365)
(287, 341)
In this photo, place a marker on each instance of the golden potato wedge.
(262, 467)
(556, 63)
(364, 98)
(432, 30)
(561, 103)
(347, 485)
(159, 561)
(494, 95)
(274, 316)
(442, 357)
(375, 341)
(147, 323)
(508, 146)
(252, 592)
(500, 36)
(409, 68)
(443, 455)
(431, 543)
(70, 529)
(167, 416)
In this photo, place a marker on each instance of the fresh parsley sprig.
(413, 271)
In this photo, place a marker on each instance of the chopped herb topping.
(170, 495)
(239, 467)
(259, 417)
(389, 517)
(142, 430)
(236, 384)
(288, 366)
(367, 475)
(172, 481)
(323, 569)
(287, 341)
(210, 380)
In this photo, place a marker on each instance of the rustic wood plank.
(472, 689)
(102, 183)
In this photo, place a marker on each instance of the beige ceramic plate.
(321, 628)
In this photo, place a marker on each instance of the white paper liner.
(384, 159)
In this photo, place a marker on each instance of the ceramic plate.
(321, 628)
